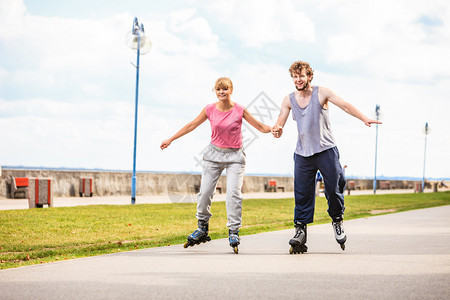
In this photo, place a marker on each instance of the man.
(315, 151)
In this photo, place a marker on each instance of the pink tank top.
(225, 126)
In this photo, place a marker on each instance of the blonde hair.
(223, 83)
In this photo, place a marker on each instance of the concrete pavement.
(396, 256)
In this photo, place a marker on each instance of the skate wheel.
(299, 249)
(187, 244)
(343, 247)
(235, 249)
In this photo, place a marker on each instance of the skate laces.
(299, 229)
(233, 237)
(337, 227)
(198, 233)
(298, 233)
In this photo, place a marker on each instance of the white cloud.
(259, 23)
(345, 48)
(3, 75)
(184, 23)
(11, 12)
(185, 33)
(399, 43)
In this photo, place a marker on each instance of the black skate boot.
(339, 232)
(233, 238)
(299, 240)
(200, 235)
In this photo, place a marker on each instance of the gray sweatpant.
(215, 160)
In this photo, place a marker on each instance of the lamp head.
(426, 129)
(135, 26)
(136, 38)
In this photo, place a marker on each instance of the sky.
(67, 81)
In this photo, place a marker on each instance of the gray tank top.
(313, 125)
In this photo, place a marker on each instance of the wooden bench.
(19, 185)
(351, 185)
(271, 186)
(385, 185)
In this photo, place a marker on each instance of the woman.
(225, 152)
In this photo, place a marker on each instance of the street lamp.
(137, 40)
(426, 130)
(377, 114)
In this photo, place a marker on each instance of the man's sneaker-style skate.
(299, 240)
(200, 235)
(339, 232)
(233, 238)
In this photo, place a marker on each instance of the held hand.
(165, 144)
(277, 131)
(369, 122)
(267, 129)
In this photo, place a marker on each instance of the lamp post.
(426, 131)
(377, 114)
(137, 40)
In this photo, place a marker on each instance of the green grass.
(36, 236)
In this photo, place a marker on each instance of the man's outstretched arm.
(329, 95)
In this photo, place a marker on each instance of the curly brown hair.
(298, 66)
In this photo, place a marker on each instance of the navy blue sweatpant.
(327, 162)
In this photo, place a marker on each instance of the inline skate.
(339, 232)
(233, 238)
(200, 235)
(298, 242)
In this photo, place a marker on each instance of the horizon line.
(380, 177)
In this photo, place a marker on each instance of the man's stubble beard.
(303, 88)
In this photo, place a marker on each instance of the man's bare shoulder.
(324, 90)
(287, 101)
(324, 94)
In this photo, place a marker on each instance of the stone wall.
(66, 183)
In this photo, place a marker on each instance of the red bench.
(272, 186)
(385, 185)
(19, 185)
